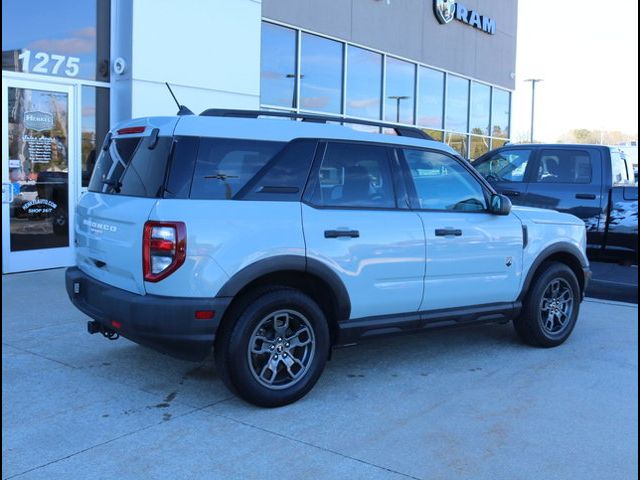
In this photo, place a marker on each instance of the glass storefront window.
(94, 126)
(480, 109)
(495, 143)
(320, 74)
(437, 135)
(500, 113)
(458, 142)
(479, 146)
(66, 39)
(38, 146)
(364, 83)
(430, 97)
(278, 66)
(400, 86)
(457, 103)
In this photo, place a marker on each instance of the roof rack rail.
(401, 130)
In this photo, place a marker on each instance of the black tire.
(535, 325)
(243, 371)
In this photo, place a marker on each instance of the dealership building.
(71, 70)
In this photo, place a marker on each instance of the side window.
(505, 166)
(619, 171)
(444, 184)
(354, 175)
(564, 166)
(224, 166)
(286, 174)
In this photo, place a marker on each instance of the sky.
(586, 52)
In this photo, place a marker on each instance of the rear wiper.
(221, 176)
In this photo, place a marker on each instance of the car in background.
(593, 182)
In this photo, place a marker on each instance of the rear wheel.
(550, 308)
(275, 350)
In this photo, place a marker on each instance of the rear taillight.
(164, 248)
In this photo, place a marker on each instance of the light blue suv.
(271, 240)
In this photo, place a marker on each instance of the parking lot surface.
(469, 403)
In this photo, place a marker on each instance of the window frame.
(414, 201)
(400, 193)
(531, 162)
(534, 165)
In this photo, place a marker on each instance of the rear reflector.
(204, 314)
(130, 130)
(115, 324)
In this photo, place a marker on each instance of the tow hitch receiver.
(96, 327)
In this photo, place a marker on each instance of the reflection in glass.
(278, 66)
(94, 126)
(457, 103)
(364, 83)
(480, 108)
(64, 39)
(430, 97)
(495, 143)
(437, 135)
(321, 74)
(400, 86)
(38, 141)
(479, 146)
(458, 142)
(500, 113)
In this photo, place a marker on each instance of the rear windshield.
(129, 167)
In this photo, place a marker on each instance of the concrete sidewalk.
(471, 403)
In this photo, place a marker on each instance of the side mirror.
(500, 205)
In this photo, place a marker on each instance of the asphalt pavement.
(469, 403)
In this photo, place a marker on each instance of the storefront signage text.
(39, 148)
(447, 10)
(50, 63)
(39, 121)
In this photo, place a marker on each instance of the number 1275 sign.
(45, 63)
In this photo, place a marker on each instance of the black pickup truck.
(593, 182)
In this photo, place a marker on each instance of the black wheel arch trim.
(298, 263)
(558, 248)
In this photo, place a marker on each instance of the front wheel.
(276, 349)
(550, 308)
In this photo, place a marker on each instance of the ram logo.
(445, 10)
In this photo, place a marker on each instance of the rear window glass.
(564, 166)
(619, 170)
(225, 166)
(129, 167)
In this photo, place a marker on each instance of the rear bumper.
(166, 324)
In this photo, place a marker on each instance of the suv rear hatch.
(127, 180)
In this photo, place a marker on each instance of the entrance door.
(38, 176)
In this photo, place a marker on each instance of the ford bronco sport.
(272, 240)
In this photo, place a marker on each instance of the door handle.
(511, 193)
(341, 233)
(586, 196)
(446, 232)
